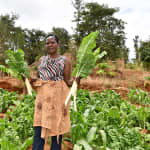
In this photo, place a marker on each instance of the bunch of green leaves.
(6, 99)
(86, 58)
(17, 67)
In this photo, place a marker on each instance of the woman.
(56, 68)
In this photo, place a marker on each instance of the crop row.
(103, 121)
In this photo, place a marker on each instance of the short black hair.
(52, 35)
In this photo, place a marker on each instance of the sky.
(46, 14)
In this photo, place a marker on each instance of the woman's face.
(51, 45)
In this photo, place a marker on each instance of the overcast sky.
(45, 14)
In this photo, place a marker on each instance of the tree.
(34, 44)
(10, 36)
(136, 46)
(112, 37)
(79, 7)
(144, 50)
(64, 39)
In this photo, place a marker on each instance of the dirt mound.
(11, 84)
(123, 80)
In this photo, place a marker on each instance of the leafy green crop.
(139, 96)
(106, 122)
(103, 122)
(16, 128)
(86, 58)
(103, 70)
(86, 61)
(17, 67)
(6, 99)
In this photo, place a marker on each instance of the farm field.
(101, 54)
(113, 113)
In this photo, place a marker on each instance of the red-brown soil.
(121, 83)
(11, 84)
(2, 115)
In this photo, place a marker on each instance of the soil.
(144, 131)
(2, 115)
(12, 84)
(123, 80)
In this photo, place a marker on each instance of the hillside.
(122, 80)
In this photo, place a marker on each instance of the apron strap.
(44, 135)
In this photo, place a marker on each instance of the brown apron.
(50, 112)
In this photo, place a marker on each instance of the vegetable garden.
(99, 120)
(103, 121)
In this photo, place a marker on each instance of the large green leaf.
(8, 71)
(86, 58)
(17, 67)
(103, 134)
(6, 145)
(114, 113)
(85, 144)
(15, 61)
(77, 147)
(87, 45)
(91, 134)
(27, 143)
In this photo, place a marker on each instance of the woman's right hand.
(31, 80)
(78, 80)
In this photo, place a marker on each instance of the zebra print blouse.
(52, 68)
